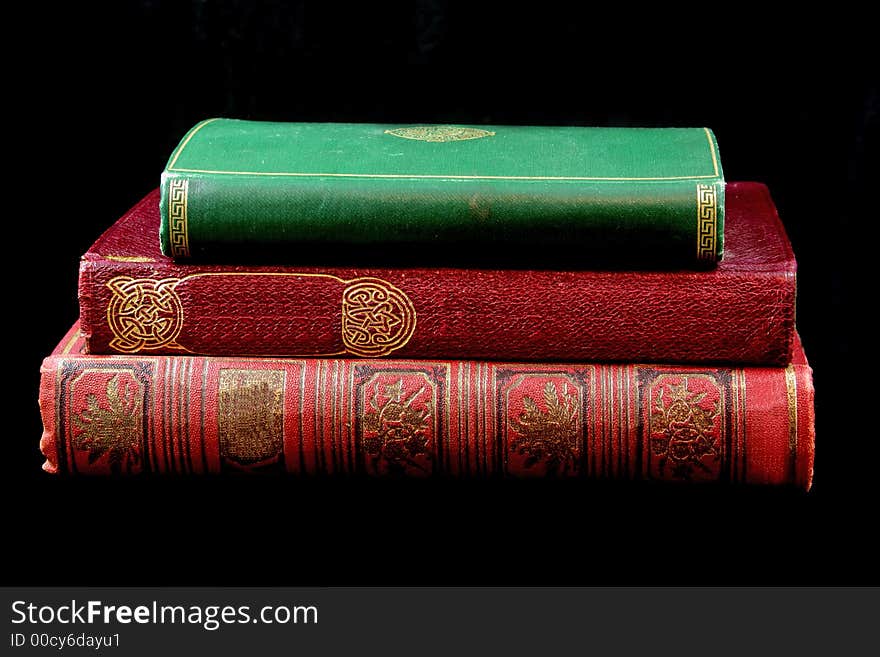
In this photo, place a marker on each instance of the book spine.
(226, 218)
(195, 415)
(157, 307)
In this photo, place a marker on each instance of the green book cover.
(629, 196)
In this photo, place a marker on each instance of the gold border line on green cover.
(182, 146)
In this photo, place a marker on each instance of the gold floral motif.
(377, 318)
(395, 432)
(113, 431)
(549, 435)
(683, 430)
(440, 133)
(144, 314)
(251, 414)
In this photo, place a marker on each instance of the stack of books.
(287, 302)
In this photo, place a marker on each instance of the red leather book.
(195, 414)
(135, 300)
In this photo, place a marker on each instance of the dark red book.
(135, 300)
(394, 417)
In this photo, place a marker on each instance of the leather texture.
(741, 312)
(394, 418)
(235, 190)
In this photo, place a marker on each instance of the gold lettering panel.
(251, 415)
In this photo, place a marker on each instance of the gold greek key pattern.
(377, 318)
(439, 133)
(250, 414)
(178, 193)
(144, 314)
(707, 222)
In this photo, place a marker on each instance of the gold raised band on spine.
(791, 394)
(178, 232)
(707, 222)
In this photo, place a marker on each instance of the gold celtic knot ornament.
(377, 318)
(144, 314)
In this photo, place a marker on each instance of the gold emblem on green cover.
(707, 222)
(440, 133)
(251, 414)
(144, 314)
(377, 318)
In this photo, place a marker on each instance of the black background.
(792, 99)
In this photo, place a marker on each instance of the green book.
(624, 196)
